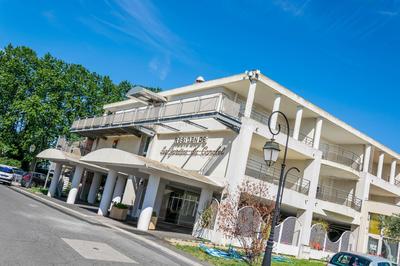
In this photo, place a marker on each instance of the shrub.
(120, 205)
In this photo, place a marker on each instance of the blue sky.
(341, 55)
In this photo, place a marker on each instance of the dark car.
(33, 179)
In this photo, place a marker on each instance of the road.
(32, 233)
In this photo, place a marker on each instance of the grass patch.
(198, 253)
(38, 190)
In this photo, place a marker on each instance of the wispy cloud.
(295, 8)
(49, 15)
(388, 13)
(142, 22)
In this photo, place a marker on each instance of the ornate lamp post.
(271, 152)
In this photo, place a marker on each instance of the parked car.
(18, 174)
(33, 179)
(358, 259)
(6, 174)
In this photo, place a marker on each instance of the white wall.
(126, 143)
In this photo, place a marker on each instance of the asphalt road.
(32, 233)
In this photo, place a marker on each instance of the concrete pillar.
(82, 190)
(297, 122)
(159, 197)
(119, 189)
(275, 107)
(393, 171)
(362, 192)
(311, 172)
(131, 187)
(94, 186)
(138, 196)
(76, 180)
(380, 165)
(54, 180)
(250, 98)
(204, 200)
(148, 203)
(317, 132)
(367, 158)
(107, 193)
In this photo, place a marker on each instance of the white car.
(6, 174)
(358, 259)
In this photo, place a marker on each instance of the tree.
(250, 221)
(390, 226)
(42, 96)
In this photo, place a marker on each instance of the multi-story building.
(173, 152)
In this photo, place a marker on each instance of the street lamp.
(271, 152)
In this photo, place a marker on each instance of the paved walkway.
(155, 239)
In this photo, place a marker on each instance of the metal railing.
(340, 155)
(192, 106)
(339, 196)
(263, 118)
(259, 170)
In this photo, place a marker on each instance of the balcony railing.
(184, 109)
(339, 196)
(258, 169)
(263, 118)
(340, 155)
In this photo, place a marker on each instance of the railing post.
(179, 109)
(93, 118)
(84, 123)
(134, 115)
(122, 118)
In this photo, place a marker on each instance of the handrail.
(263, 118)
(340, 155)
(197, 105)
(339, 196)
(257, 169)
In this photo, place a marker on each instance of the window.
(383, 264)
(346, 259)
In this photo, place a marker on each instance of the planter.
(153, 223)
(118, 213)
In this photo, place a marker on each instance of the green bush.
(44, 191)
(120, 205)
(10, 162)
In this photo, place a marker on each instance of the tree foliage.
(41, 96)
(390, 226)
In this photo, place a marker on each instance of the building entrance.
(179, 206)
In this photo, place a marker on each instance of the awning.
(59, 156)
(127, 162)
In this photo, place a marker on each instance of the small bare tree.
(248, 219)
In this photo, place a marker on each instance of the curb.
(88, 219)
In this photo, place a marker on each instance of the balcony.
(338, 154)
(137, 120)
(258, 169)
(263, 118)
(339, 196)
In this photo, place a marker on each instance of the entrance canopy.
(127, 162)
(63, 157)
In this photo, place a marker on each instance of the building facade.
(171, 153)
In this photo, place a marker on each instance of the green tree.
(390, 225)
(40, 97)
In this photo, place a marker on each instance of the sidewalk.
(154, 239)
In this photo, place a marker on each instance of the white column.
(94, 186)
(204, 200)
(297, 122)
(250, 98)
(380, 165)
(130, 191)
(311, 172)
(367, 158)
(317, 132)
(54, 180)
(119, 189)
(148, 203)
(76, 180)
(159, 197)
(107, 193)
(393, 171)
(275, 107)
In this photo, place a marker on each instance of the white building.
(173, 151)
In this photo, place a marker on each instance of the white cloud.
(296, 8)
